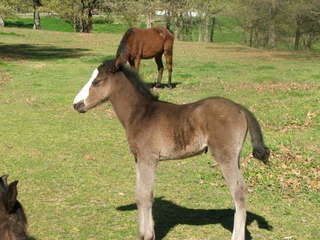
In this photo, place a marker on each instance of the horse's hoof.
(170, 86)
(158, 85)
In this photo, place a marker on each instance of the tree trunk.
(168, 20)
(1, 22)
(297, 38)
(206, 27)
(149, 20)
(271, 36)
(251, 37)
(200, 30)
(90, 22)
(200, 36)
(310, 41)
(212, 21)
(271, 39)
(36, 18)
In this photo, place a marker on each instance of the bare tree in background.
(36, 14)
(6, 10)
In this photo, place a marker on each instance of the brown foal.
(158, 130)
(13, 220)
(137, 44)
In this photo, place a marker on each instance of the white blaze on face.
(84, 92)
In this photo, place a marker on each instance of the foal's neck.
(128, 103)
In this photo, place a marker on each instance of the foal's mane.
(133, 77)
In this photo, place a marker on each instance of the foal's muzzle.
(80, 107)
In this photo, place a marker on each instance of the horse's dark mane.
(137, 82)
(133, 78)
(122, 49)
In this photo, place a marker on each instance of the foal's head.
(13, 221)
(98, 89)
(106, 80)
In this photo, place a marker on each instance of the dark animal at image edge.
(13, 221)
(158, 130)
(137, 44)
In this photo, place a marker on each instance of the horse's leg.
(159, 63)
(168, 55)
(131, 62)
(144, 195)
(137, 61)
(229, 163)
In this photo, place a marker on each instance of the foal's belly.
(174, 150)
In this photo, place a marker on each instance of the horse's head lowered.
(12, 217)
(98, 89)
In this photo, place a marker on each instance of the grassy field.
(77, 176)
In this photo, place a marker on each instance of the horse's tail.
(122, 52)
(260, 151)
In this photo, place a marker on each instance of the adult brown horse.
(158, 130)
(137, 44)
(13, 220)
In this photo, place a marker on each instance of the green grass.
(76, 173)
(47, 23)
(57, 24)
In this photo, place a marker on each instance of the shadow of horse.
(162, 85)
(168, 214)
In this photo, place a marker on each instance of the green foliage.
(270, 23)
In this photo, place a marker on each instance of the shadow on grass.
(167, 215)
(31, 238)
(19, 24)
(163, 85)
(39, 52)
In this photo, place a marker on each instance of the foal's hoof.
(150, 237)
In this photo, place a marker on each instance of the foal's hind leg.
(144, 195)
(159, 63)
(227, 155)
(234, 180)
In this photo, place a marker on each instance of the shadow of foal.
(13, 221)
(168, 215)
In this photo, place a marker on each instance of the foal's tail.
(260, 151)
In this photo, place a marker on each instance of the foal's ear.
(4, 180)
(4, 183)
(12, 194)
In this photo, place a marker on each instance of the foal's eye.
(96, 83)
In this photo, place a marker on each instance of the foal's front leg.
(144, 197)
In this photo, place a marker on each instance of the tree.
(207, 11)
(306, 16)
(77, 12)
(6, 10)
(36, 14)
